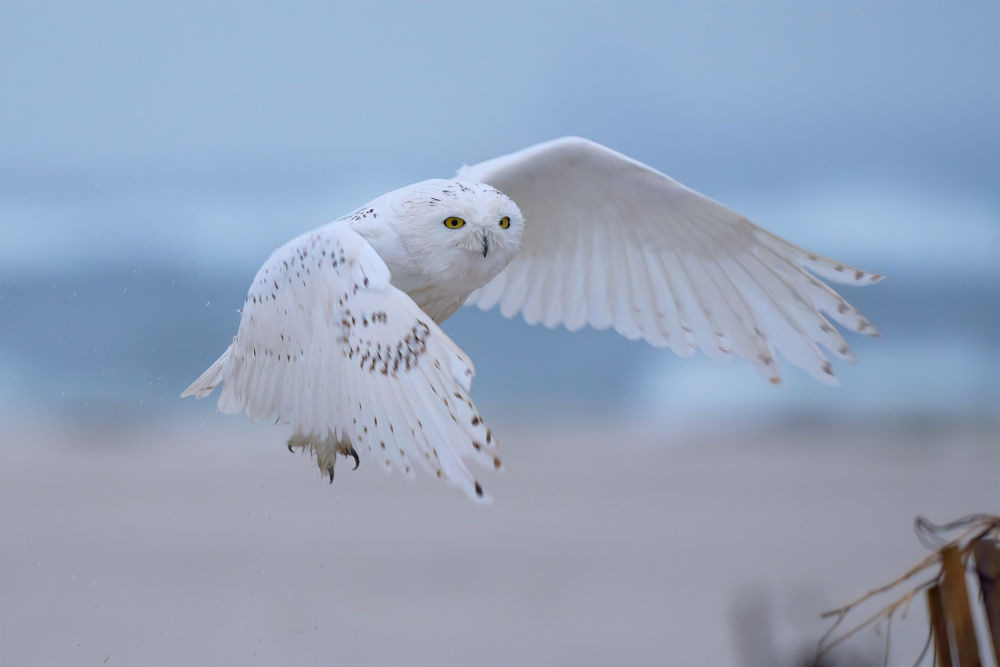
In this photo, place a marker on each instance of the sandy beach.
(209, 544)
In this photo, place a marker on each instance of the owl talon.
(329, 471)
(354, 454)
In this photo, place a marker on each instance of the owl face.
(461, 232)
(484, 220)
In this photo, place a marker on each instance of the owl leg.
(325, 450)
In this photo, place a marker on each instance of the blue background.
(153, 154)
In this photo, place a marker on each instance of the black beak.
(486, 244)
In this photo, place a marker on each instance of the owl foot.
(326, 451)
(350, 452)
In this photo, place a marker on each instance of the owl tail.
(209, 380)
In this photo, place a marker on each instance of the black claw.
(290, 447)
(357, 461)
(330, 472)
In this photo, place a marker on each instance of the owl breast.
(439, 306)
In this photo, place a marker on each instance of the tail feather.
(208, 381)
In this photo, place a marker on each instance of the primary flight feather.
(339, 335)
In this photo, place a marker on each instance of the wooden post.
(988, 568)
(935, 610)
(955, 597)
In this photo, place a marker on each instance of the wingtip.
(479, 496)
(826, 375)
(863, 277)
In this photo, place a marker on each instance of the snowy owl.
(339, 334)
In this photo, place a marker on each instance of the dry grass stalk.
(961, 633)
(943, 602)
(987, 556)
(939, 626)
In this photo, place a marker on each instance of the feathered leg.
(325, 451)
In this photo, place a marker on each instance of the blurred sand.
(606, 544)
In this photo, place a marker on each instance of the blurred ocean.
(112, 301)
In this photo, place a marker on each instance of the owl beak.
(486, 244)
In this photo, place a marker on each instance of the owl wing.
(609, 241)
(327, 344)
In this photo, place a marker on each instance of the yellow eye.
(504, 222)
(453, 223)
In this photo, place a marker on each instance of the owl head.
(458, 234)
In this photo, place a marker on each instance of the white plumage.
(340, 337)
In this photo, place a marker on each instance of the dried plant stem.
(939, 626)
(947, 596)
(987, 556)
(956, 606)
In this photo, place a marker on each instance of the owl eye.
(453, 222)
(504, 222)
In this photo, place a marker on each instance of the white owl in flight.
(339, 335)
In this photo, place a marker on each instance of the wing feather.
(743, 332)
(611, 241)
(536, 277)
(575, 306)
(668, 311)
(718, 313)
(513, 291)
(327, 344)
(642, 310)
(597, 284)
(618, 290)
(695, 327)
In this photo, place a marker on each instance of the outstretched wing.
(328, 345)
(609, 241)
